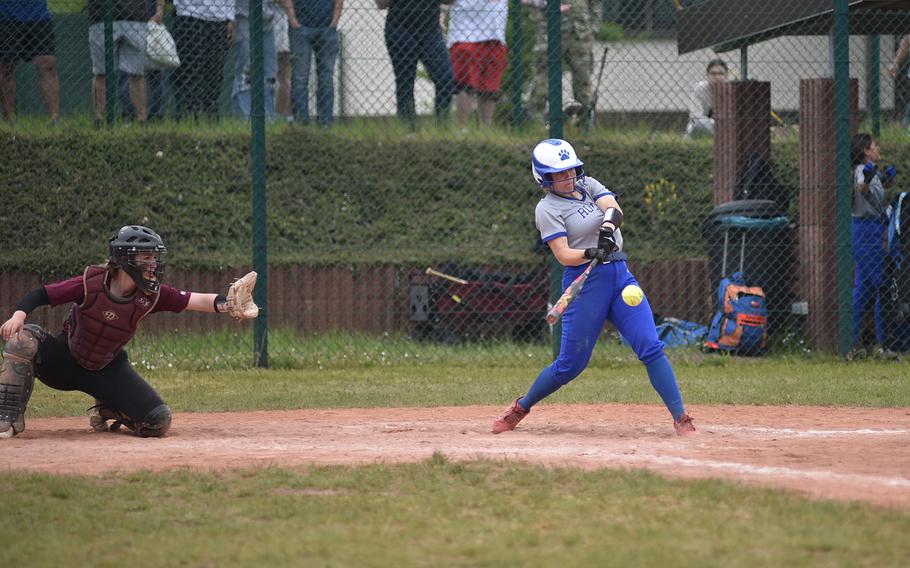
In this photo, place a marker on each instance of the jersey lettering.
(586, 210)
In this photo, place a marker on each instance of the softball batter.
(108, 302)
(580, 221)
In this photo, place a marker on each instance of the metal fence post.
(842, 119)
(516, 45)
(110, 81)
(554, 75)
(342, 78)
(257, 166)
(875, 104)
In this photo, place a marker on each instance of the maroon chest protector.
(101, 325)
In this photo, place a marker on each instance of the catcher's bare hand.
(12, 326)
(240, 298)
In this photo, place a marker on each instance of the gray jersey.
(870, 204)
(578, 220)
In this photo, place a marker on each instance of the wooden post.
(742, 114)
(817, 204)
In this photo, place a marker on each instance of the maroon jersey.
(100, 323)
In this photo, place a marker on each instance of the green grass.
(433, 513)
(213, 372)
(480, 513)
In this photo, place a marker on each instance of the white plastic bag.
(161, 51)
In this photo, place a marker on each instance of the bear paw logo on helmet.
(552, 156)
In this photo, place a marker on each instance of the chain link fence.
(396, 161)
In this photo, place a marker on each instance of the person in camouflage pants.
(580, 21)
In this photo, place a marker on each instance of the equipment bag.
(740, 327)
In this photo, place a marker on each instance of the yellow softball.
(632, 295)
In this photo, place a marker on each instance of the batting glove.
(869, 171)
(606, 241)
(597, 253)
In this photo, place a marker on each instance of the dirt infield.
(845, 454)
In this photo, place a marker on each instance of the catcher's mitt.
(240, 298)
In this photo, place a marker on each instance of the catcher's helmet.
(132, 240)
(551, 156)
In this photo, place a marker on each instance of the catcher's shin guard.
(155, 424)
(17, 378)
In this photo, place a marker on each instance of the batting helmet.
(127, 244)
(552, 156)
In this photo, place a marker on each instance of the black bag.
(756, 181)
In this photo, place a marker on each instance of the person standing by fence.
(316, 38)
(580, 21)
(868, 238)
(241, 99)
(477, 46)
(27, 34)
(130, 41)
(701, 105)
(413, 34)
(203, 32)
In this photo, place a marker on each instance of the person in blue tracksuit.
(868, 236)
(580, 221)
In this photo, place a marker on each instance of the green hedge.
(335, 197)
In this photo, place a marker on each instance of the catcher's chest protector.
(100, 326)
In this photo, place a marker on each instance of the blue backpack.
(740, 327)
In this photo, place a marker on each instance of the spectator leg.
(180, 78)
(436, 59)
(486, 107)
(8, 88)
(580, 60)
(537, 101)
(302, 54)
(211, 72)
(139, 96)
(270, 72)
(154, 80)
(123, 96)
(283, 96)
(326, 56)
(99, 96)
(240, 93)
(464, 104)
(403, 55)
(49, 84)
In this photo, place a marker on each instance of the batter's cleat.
(684, 426)
(510, 419)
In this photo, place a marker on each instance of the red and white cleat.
(684, 426)
(510, 419)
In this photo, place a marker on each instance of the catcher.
(108, 302)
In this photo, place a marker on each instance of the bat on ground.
(570, 294)
(449, 277)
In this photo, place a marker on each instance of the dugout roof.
(726, 25)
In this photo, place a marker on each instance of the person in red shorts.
(107, 302)
(477, 47)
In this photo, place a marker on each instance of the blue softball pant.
(869, 261)
(600, 300)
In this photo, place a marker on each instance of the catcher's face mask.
(145, 267)
(139, 251)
